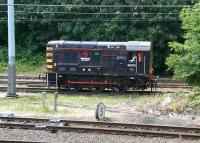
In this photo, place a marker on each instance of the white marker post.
(11, 51)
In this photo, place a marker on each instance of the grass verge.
(33, 104)
(164, 104)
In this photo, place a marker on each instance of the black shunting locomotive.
(76, 65)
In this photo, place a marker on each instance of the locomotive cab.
(139, 63)
(139, 59)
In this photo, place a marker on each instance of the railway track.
(24, 77)
(41, 83)
(161, 80)
(30, 89)
(21, 77)
(100, 127)
(53, 90)
(33, 84)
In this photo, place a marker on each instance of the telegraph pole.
(11, 51)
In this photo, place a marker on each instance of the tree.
(185, 60)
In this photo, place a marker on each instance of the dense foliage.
(36, 25)
(185, 60)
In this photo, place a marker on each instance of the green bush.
(27, 59)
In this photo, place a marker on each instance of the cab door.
(141, 63)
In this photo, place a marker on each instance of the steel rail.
(19, 77)
(52, 90)
(43, 83)
(35, 85)
(160, 80)
(32, 81)
(24, 82)
(101, 130)
(29, 89)
(106, 124)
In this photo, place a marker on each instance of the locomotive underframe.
(99, 82)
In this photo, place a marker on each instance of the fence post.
(55, 101)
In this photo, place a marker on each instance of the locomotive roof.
(58, 42)
(130, 45)
(138, 45)
(111, 43)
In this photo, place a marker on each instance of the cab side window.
(131, 57)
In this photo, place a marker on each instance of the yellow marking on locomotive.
(49, 60)
(49, 54)
(49, 48)
(49, 66)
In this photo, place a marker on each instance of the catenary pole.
(11, 51)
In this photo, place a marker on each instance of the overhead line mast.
(11, 51)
